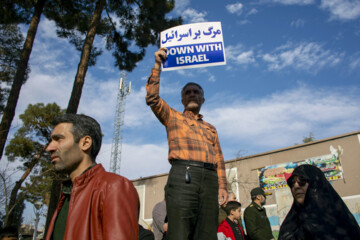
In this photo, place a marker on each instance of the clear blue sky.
(293, 67)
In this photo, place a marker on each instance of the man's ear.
(203, 100)
(85, 143)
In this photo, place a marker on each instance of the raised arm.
(160, 108)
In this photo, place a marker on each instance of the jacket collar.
(88, 174)
(260, 208)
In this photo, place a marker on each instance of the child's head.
(9, 233)
(233, 208)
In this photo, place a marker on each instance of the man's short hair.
(192, 83)
(258, 191)
(11, 231)
(232, 205)
(82, 126)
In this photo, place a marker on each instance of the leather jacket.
(102, 205)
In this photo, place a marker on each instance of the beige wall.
(246, 176)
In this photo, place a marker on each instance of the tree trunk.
(84, 60)
(14, 192)
(76, 94)
(19, 78)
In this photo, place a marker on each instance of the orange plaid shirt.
(189, 137)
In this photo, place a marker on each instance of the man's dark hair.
(256, 192)
(11, 231)
(232, 205)
(192, 83)
(82, 126)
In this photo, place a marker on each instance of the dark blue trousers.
(192, 208)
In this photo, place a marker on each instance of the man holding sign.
(197, 181)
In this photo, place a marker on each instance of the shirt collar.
(192, 115)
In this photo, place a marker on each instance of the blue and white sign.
(193, 45)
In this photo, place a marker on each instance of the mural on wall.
(232, 180)
(272, 177)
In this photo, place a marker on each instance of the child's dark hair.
(232, 205)
(11, 231)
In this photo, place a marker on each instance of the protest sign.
(193, 45)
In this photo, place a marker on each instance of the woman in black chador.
(318, 212)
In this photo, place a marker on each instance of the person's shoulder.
(209, 125)
(223, 225)
(249, 209)
(109, 176)
(251, 205)
(223, 222)
(112, 179)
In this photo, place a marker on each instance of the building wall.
(243, 174)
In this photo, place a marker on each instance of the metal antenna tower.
(124, 90)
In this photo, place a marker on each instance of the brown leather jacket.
(103, 205)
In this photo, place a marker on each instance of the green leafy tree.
(309, 138)
(10, 49)
(28, 146)
(11, 14)
(138, 24)
(17, 214)
(39, 186)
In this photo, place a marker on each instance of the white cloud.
(181, 5)
(253, 11)
(136, 110)
(235, 8)
(245, 57)
(97, 96)
(342, 9)
(212, 78)
(294, 2)
(298, 23)
(281, 119)
(193, 16)
(239, 55)
(188, 14)
(138, 160)
(355, 61)
(305, 56)
(46, 29)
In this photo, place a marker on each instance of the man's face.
(66, 155)
(299, 187)
(262, 199)
(192, 98)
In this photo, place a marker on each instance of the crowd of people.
(96, 204)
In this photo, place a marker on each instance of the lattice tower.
(116, 147)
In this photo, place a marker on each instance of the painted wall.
(242, 174)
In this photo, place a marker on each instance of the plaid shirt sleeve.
(160, 108)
